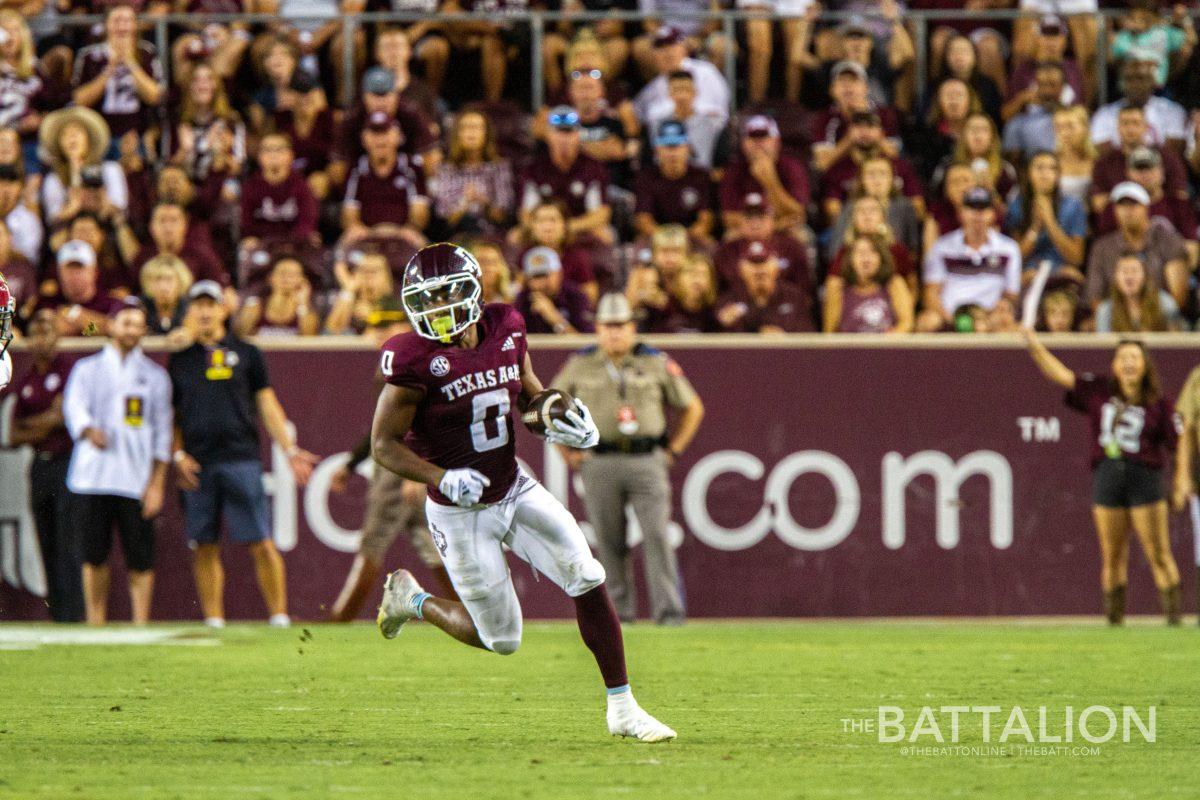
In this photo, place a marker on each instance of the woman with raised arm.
(1133, 430)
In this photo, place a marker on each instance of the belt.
(632, 447)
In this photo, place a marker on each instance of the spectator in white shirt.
(972, 266)
(117, 408)
(654, 104)
(24, 224)
(1166, 119)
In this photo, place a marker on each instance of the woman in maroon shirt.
(1133, 428)
(874, 298)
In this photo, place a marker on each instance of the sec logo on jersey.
(440, 366)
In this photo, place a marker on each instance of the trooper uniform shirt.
(627, 400)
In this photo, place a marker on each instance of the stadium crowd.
(819, 194)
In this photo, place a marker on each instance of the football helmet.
(442, 291)
(8, 310)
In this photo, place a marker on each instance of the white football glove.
(463, 487)
(578, 431)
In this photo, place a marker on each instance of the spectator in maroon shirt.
(381, 196)
(38, 422)
(690, 299)
(1146, 169)
(1112, 165)
(1050, 44)
(844, 175)
(394, 49)
(579, 182)
(758, 225)
(762, 168)
(868, 216)
(171, 234)
(761, 302)
(673, 190)
(850, 93)
(419, 140)
(79, 305)
(548, 303)
(871, 298)
(547, 228)
(121, 76)
(277, 203)
(303, 115)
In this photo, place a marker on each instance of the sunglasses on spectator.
(591, 73)
(570, 120)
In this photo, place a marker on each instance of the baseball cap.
(380, 122)
(378, 80)
(760, 125)
(856, 25)
(848, 67)
(667, 35)
(671, 133)
(564, 118)
(755, 203)
(613, 309)
(978, 197)
(758, 253)
(76, 251)
(540, 261)
(1050, 25)
(1144, 158)
(1128, 190)
(206, 288)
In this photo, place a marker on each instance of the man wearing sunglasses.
(568, 175)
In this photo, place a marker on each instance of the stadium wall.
(832, 477)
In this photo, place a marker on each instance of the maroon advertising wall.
(824, 482)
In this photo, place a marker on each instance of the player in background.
(444, 419)
(8, 310)
(1134, 427)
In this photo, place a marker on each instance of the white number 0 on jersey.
(485, 406)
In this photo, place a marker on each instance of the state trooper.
(629, 387)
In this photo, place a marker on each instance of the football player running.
(444, 419)
(8, 310)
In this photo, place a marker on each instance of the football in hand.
(545, 407)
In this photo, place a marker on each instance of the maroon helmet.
(442, 291)
(8, 310)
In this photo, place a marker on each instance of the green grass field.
(258, 713)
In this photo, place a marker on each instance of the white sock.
(280, 621)
(621, 699)
(214, 622)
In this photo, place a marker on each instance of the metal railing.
(920, 22)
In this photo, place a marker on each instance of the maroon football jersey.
(464, 418)
(35, 394)
(120, 104)
(1141, 433)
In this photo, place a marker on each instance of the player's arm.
(530, 383)
(394, 413)
(1050, 366)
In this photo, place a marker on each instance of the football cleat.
(399, 591)
(634, 721)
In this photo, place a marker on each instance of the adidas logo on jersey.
(509, 344)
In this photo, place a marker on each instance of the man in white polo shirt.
(972, 266)
(117, 407)
(1167, 120)
(653, 103)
